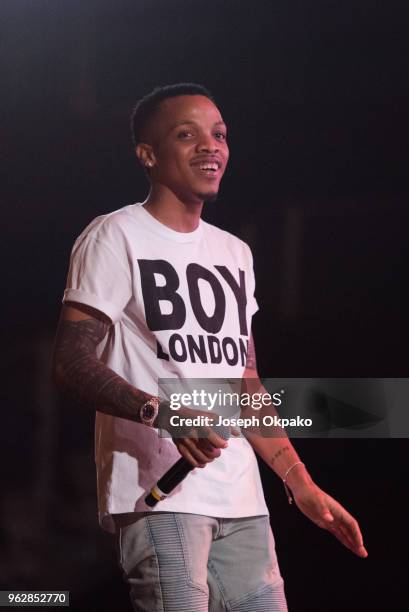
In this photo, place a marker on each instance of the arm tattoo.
(79, 372)
(280, 452)
(251, 363)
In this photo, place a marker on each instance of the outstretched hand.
(327, 513)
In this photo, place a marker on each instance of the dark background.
(315, 96)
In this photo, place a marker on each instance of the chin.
(208, 196)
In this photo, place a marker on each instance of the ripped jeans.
(179, 562)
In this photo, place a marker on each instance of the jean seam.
(159, 584)
(250, 594)
(211, 568)
(186, 557)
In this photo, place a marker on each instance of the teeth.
(208, 166)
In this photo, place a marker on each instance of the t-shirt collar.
(163, 230)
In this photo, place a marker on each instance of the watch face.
(148, 412)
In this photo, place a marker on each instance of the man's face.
(189, 147)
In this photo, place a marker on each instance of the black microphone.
(177, 473)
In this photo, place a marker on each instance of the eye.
(220, 135)
(183, 134)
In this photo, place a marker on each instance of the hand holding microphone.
(198, 445)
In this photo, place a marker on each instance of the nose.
(207, 144)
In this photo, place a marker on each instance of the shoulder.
(228, 240)
(109, 228)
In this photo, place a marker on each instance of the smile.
(207, 168)
(206, 171)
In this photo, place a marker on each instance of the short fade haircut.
(149, 104)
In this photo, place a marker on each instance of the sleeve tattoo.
(80, 374)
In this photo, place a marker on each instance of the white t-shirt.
(181, 306)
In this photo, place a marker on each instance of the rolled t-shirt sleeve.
(98, 278)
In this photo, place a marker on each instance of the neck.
(171, 210)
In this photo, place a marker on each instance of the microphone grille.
(223, 431)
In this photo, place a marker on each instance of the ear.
(144, 152)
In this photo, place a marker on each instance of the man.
(153, 293)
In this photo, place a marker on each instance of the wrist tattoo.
(280, 452)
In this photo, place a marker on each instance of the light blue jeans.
(177, 562)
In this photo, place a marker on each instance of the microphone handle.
(168, 481)
(176, 474)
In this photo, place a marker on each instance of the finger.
(355, 538)
(324, 512)
(210, 451)
(345, 537)
(216, 440)
(341, 537)
(327, 516)
(342, 534)
(350, 526)
(206, 446)
(198, 456)
(202, 455)
(362, 552)
(347, 541)
(186, 454)
(354, 530)
(346, 534)
(320, 507)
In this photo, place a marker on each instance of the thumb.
(326, 514)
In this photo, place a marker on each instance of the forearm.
(280, 455)
(271, 442)
(79, 373)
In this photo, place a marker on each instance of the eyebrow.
(187, 122)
